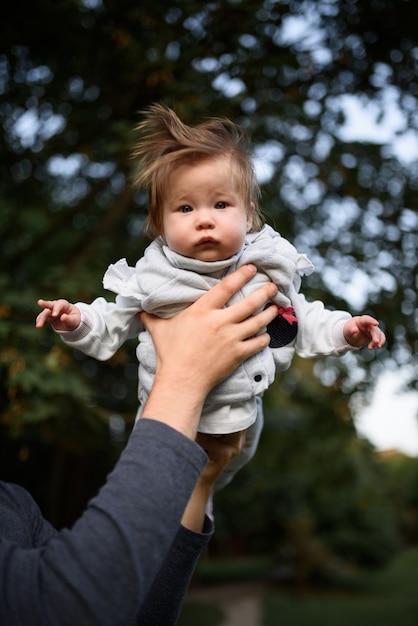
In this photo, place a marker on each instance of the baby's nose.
(205, 218)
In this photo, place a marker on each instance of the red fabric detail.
(288, 313)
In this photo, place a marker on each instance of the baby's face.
(204, 217)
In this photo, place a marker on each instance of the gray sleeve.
(21, 520)
(100, 571)
(165, 598)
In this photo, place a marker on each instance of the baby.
(205, 222)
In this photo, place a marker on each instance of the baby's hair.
(165, 142)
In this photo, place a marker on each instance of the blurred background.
(328, 90)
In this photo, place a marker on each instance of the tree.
(403, 482)
(314, 495)
(73, 76)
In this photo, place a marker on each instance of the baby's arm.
(363, 330)
(323, 332)
(60, 314)
(97, 329)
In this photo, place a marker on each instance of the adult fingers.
(253, 302)
(221, 293)
(250, 326)
(233, 441)
(220, 450)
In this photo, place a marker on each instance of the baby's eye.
(185, 209)
(220, 205)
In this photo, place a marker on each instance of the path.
(240, 603)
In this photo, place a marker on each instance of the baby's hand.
(61, 314)
(364, 330)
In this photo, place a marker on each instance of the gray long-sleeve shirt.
(126, 550)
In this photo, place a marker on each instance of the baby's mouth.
(204, 240)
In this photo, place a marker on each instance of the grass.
(242, 570)
(200, 613)
(390, 598)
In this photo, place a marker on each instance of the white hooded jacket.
(164, 282)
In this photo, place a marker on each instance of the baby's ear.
(250, 213)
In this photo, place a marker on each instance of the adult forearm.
(175, 403)
(165, 598)
(100, 571)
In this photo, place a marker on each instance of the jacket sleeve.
(104, 327)
(320, 330)
(100, 572)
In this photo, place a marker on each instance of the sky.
(391, 420)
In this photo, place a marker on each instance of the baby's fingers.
(56, 307)
(55, 312)
(42, 318)
(377, 338)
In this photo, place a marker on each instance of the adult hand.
(203, 344)
(220, 451)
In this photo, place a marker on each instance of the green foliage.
(314, 491)
(402, 478)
